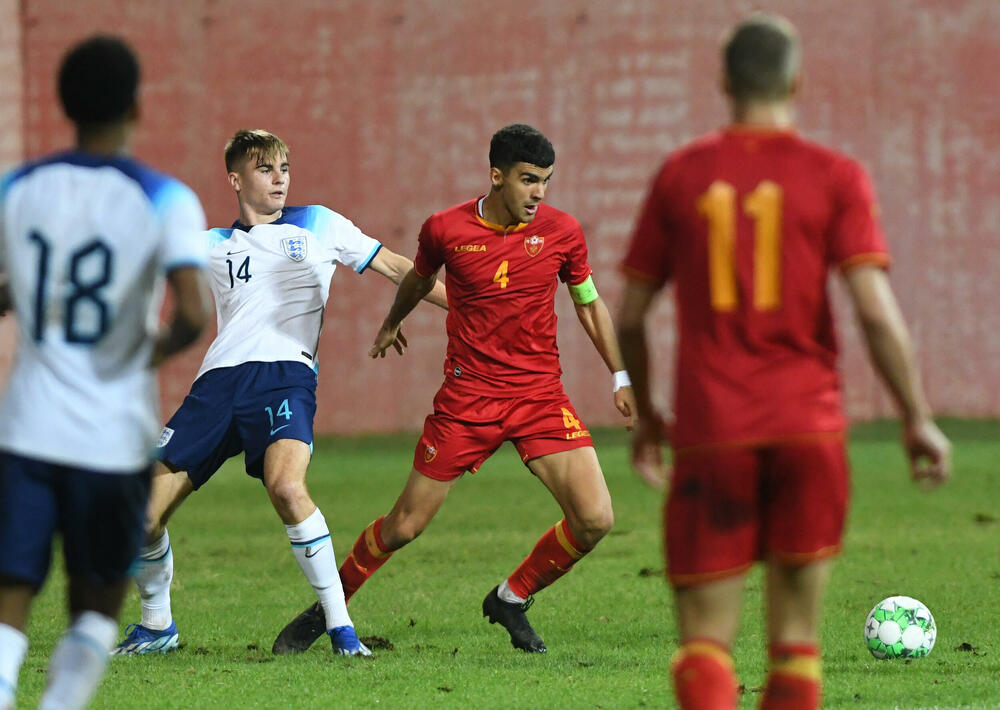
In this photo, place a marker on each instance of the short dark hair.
(518, 143)
(762, 58)
(98, 80)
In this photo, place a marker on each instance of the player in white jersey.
(256, 389)
(87, 239)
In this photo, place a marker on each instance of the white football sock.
(313, 550)
(13, 647)
(507, 594)
(77, 665)
(154, 573)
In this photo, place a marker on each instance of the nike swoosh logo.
(230, 253)
(275, 431)
(313, 551)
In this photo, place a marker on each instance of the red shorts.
(729, 506)
(465, 429)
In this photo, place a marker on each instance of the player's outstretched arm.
(411, 290)
(596, 321)
(191, 312)
(647, 457)
(395, 266)
(891, 351)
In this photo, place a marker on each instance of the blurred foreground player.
(503, 255)
(256, 389)
(747, 223)
(86, 238)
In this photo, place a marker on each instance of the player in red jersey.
(503, 253)
(747, 222)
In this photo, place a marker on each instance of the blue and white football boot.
(139, 640)
(346, 642)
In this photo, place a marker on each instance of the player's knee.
(594, 526)
(288, 497)
(401, 530)
(156, 522)
(154, 530)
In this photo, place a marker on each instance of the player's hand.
(929, 451)
(625, 403)
(388, 336)
(647, 452)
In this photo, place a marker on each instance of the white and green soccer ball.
(900, 627)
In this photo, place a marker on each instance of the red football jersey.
(501, 286)
(747, 223)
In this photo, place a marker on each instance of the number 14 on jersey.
(242, 273)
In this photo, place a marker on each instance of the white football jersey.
(86, 242)
(271, 282)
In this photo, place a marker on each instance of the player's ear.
(496, 177)
(796, 85)
(725, 84)
(234, 180)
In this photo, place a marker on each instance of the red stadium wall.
(11, 136)
(388, 108)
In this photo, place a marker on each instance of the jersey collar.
(495, 227)
(750, 129)
(244, 228)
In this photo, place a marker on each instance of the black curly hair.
(98, 80)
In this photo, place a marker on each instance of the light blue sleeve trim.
(170, 191)
(317, 220)
(217, 235)
(376, 250)
(6, 180)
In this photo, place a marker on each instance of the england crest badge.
(294, 248)
(533, 244)
(165, 435)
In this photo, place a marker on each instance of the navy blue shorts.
(243, 408)
(100, 516)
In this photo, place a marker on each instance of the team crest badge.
(165, 434)
(430, 453)
(294, 248)
(533, 244)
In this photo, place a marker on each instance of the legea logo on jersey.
(533, 244)
(294, 248)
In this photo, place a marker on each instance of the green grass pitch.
(608, 624)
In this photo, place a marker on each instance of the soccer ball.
(900, 627)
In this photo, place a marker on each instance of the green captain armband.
(583, 293)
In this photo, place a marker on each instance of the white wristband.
(620, 379)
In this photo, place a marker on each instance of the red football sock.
(704, 678)
(795, 678)
(368, 554)
(554, 555)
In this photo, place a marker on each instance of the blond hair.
(253, 144)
